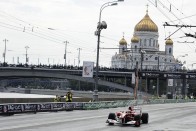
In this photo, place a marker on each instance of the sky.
(45, 25)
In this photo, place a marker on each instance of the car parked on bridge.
(132, 116)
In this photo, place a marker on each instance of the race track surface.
(162, 117)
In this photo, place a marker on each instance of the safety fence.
(10, 108)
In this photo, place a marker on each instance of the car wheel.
(137, 124)
(137, 118)
(145, 118)
(111, 124)
(112, 116)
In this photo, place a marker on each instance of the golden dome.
(134, 39)
(123, 41)
(146, 24)
(169, 42)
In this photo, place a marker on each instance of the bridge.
(105, 76)
(19, 72)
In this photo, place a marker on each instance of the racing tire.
(113, 117)
(145, 118)
(110, 124)
(137, 118)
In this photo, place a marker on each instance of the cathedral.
(145, 49)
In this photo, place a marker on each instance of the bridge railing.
(10, 108)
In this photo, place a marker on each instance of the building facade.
(144, 49)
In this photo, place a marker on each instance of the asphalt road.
(165, 117)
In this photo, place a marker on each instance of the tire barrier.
(15, 108)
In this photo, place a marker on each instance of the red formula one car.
(133, 116)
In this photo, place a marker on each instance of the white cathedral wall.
(167, 48)
(148, 40)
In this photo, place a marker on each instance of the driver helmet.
(130, 108)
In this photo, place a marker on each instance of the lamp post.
(158, 77)
(4, 54)
(142, 59)
(100, 26)
(26, 47)
(65, 55)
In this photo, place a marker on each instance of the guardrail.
(10, 108)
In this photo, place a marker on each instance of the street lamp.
(100, 26)
(26, 47)
(157, 77)
(65, 55)
(4, 54)
(142, 59)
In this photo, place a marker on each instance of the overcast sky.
(44, 25)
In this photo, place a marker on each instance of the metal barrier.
(10, 109)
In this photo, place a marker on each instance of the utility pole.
(79, 56)
(158, 77)
(142, 59)
(136, 81)
(65, 55)
(18, 61)
(26, 47)
(4, 54)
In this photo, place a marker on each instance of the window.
(150, 42)
(170, 50)
(154, 43)
(156, 58)
(140, 42)
(144, 42)
(135, 48)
